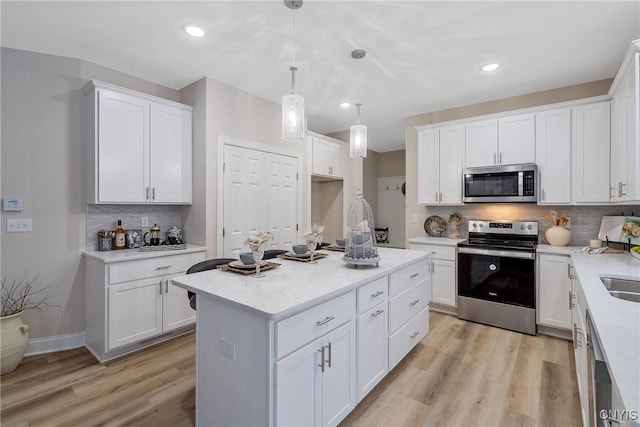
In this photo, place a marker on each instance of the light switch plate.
(12, 204)
(19, 225)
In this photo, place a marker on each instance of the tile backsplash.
(585, 220)
(105, 217)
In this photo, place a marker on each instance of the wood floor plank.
(460, 374)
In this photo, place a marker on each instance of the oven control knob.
(474, 225)
(528, 227)
(521, 226)
(481, 225)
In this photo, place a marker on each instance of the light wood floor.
(461, 374)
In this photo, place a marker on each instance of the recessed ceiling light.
(490, 67)
(345, 104)
(194, 31)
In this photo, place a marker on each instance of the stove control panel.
(528, 228)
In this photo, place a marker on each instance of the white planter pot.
(14, 338)
(558, 236)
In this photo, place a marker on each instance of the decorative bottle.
(120, 238)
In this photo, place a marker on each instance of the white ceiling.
(422, 56)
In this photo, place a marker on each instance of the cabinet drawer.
(402, 341)
(372, 294)
(436, 251)
(301, 328)
(142, 268)
(408, 304)
(409, 276)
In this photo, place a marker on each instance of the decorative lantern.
(360, 247)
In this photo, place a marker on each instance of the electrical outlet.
(19, 225)
(414, 218)
(228, 348)
(145, 221)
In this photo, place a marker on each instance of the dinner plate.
(295, 255)
(240, 265)
(435, 226)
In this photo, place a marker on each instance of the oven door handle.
(492, 252)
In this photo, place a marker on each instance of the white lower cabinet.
(409, 291)
(578, 325)
(554, 287)
(131, 301)
(316, 384)
(443, 271)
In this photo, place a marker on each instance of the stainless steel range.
(497, 274)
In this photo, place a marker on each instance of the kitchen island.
(305, 343)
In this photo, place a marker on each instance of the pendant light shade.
(358, 134)
(358, 139)
(293, 119)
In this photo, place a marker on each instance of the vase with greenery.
(16, 296)
(454, 224)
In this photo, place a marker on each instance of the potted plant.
(454, 223)
(16, 296)
(557, 234)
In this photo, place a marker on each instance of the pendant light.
(293, 120)
(358, 134)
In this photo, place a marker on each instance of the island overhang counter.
(305, 343)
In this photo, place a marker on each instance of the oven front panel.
(497, 278)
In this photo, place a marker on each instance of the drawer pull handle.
(414, 302)
(413, 335)
(326, 320)
(377, 313)
(329, 359)
(377, 294)
(414, 275)
(164, 267)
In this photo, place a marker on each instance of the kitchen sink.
(626, 289)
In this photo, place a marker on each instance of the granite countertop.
(427, 240)
(131, 254)
(617, 321)
(294, 286)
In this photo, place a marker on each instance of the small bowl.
(247, 258)
(341, 242)
(300, 249)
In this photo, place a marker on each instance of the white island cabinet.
(302, 345)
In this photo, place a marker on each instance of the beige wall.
(391, 163)
(568, 93)
(44, 141)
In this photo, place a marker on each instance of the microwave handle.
(521, 183)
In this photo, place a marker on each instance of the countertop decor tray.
(316, 256)
(268, 266)
(163, 247)
(334, 248)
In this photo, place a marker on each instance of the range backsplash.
(585, 220)
(105, 217)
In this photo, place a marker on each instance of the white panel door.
(123, 144)
(592, 135)
(443, 282)
(554, 286)
(176, 311)
(553, 155)
(170, 154)
(481, 144)
(516, 139)
(373, 348)
(428, 166)
(339, 377)
(135, 311)
(451, 156)
(260, 193)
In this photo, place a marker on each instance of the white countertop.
(131, 254)
(617, 321)
(427, 240)
(294, 286)
(557, 250)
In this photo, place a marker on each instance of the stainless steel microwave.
(501, 184)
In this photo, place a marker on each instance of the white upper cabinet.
(141, 148)
(505, 141)
(625, 137)
(553, 155)
(440, 154)
(591, 137)
(327, 157)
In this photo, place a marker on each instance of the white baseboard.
(55, 343)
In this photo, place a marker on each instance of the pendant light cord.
(293, 67)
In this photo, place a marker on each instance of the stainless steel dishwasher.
(599, 379)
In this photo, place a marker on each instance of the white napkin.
(256, 240)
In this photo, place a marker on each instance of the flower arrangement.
(19, 295)
(553, 218)
(455, 217)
